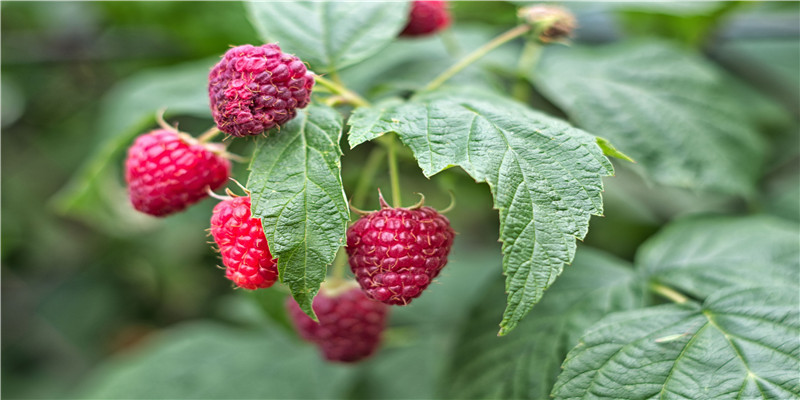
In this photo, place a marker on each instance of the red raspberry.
(254, 89)
(350, 324)
(167, 171)
(396, 252)
(243, 246)
(427, 17)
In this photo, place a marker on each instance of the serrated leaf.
(701, 255)
(211, 361)
(296, 190)
(670, 110)
(545, 176)
(525, 364)
(743, 343)
(329, 35)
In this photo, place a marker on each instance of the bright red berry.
(254, 89)
(350, 324)
(242, 244)
(396, 252)
(167, 171)
(427, 17)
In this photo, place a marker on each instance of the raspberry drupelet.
(254, 89)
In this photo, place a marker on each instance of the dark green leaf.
(525, 364)
(545, 175)
(296, 189)
(670, 110)
(742, 343)
(329, 35)
(702, 255)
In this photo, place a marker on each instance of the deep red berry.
(167, 172)
(242, 244)
(396, 252)
(254, 89)
(427, 17)
(350, 324)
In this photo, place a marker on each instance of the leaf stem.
(347, 94)
(367, 176)
(509, 35)
(668, 293)
(527, 62)
(394, 175)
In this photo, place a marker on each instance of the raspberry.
(254, 89)
(245, 253)
(427, 17)
(350, 324)
(396, 252)
(167, 171)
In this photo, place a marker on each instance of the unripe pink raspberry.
(242, 244)
(167, 171)
(254, 89)
(396, 252)
(350, 324)
(427, 17)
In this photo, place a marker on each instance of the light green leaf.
(296, 190)
(743, 343)
(329, 35)
(525, 364)
(701, 255)
(545, 176)
(670, 110)
(611, 151)
(94, 192)
(210, 361)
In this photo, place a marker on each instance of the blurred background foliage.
(98, 300)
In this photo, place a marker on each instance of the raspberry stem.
(394, 175)
(339, 265)
(347, 94)
(367, 176)
(668, 292)
(208, 135)
(509, 35)
(527, 62)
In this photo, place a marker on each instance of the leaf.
(329, 35)
(210, 361)
(545, 176)
(702, 255)
(94, 193)
(525, 364)
(742, 343)
(296, 190)
(611, 151)
(670, 110)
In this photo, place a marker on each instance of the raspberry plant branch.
(668, 293)
(527, 62)
(476, 55)
(346, 94)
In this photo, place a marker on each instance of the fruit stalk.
(668, 293)
(476, 55)
(394, 175)
(347, 94)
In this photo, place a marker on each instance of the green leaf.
(329, 35)
(669, 109)
(525, 364)
(702, 255)
(545, 176)
(214, 362)
(94, 193)
(296, 190)
(742, 343)
(611, 151)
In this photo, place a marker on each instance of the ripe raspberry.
(167, 171)
(254, 89)
(243, 246)
(396, 252)
(427, 17)
(350, 324)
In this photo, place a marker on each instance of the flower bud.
(549, 23)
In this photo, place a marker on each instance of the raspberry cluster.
(396, 252)
(427, 17)
(242, 244)
(254, 89)
(167, 172)
(350, 324)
